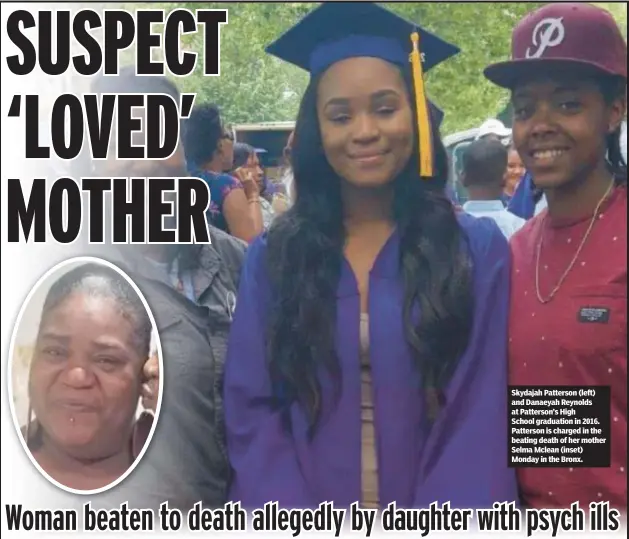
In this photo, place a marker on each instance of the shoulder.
(226, 180)
(256, 252)
(231, 250)
(227, 245)
(485, 239)
(515, 223)
(255, 267)
(523, 241)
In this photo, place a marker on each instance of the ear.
(617, 113)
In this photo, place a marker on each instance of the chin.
(550, 180)
(66, 434)
(366, 180)
(75, 439)
(548, 176)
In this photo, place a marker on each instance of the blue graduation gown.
(463, 459)
(522, 202)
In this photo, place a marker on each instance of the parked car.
(456, 144)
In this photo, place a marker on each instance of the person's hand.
(150, 387)
(279, 203)
(252, 191)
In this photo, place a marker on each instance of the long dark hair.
(203, 131)
(305, 253)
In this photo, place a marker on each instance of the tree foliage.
(255, 87)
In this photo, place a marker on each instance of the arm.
(262, 455)
(470, 445)
(243, 216)
(252, 192)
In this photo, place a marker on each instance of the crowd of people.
(244, 201)
(351, 337)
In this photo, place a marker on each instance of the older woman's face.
(253, 164)
(366, 120)
(86, 376)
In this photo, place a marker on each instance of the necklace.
(576, 256)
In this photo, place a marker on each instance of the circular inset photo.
(84, 375)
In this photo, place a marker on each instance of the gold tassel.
(424, 130)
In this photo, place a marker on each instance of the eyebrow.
(100, 345)
(380, 94)
(104, 346)
(51, 336)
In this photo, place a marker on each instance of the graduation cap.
(336, 31)
(436, 114)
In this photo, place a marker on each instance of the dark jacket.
(186, 460)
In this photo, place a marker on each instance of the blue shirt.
(221, 185)
(508, 223)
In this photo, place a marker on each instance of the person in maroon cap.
(568, 78)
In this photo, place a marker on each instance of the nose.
(77, 376)
(543, 121)
(365, 129)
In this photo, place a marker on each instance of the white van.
(268, 136)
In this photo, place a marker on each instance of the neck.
(367, 208)
(82, 474)
(509, 190)
(580, 197)
(483, 193)
(214, 165)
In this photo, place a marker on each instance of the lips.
(76, 405)
(369, 159)
(547, 156)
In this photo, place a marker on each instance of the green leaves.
(255, 87)
(483, 33)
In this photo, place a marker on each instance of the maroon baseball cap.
(559, 34)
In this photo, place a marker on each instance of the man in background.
(493, 129)
(191, 290)
(484, 166)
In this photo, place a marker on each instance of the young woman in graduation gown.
(367, 359)
(568, 323)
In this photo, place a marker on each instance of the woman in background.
(513, 174)
(247, 162)
(247, 168)
(86, 378)
(367, 358)
(234, 205)
(569, 285)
